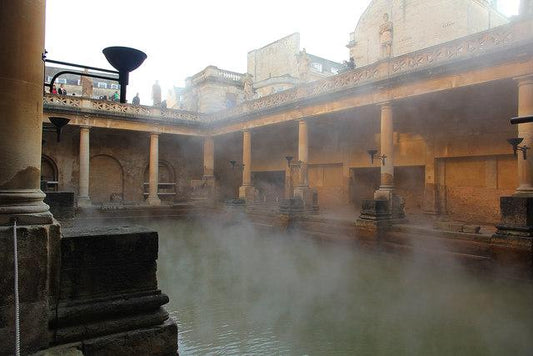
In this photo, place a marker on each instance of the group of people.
(60, 91)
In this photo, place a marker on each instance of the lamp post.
(124, 59)
(372, 153)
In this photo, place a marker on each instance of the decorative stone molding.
(498, 39)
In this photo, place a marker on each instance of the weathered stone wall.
(119, 160)
(419, 24)
(275, 59)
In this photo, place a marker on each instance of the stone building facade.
(439, 115)
(418, 24)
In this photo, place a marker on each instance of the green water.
(234, 291)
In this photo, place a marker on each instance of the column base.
(516, 217)
(84, 202)
(248, 193)
(153, 201)
(395, 203)
(38, 254)
(309, 198)
(26, 205)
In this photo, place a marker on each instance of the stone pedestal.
(516, 218)
(512, 244)
(247, 193)
(37, 274)
(309, 198)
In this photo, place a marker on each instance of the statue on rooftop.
(385, 36)
(303, 65)
(248, 86)
(86, 85)
(156, 93)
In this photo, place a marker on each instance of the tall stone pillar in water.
(386, 207)
(386, 188)
(21, 200)
(302, 191)
(153, 197)
(516, 225)
(209, 166)
(247, 191)
(83, 198)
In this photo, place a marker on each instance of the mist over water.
(236, 291)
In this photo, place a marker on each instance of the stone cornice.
(478, 50)
(94, 107)
(498, 39)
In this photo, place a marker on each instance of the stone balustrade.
(499, 39)
(53, 102)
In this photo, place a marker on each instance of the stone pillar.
(209, 165)
(517, 211)
(308, 196)
(387, 149)
(209, 156)
(153, 198)
(303, 153)
(21, 200)
(430, 179)
(386, 205)
(247, 191)
(83, 199)
(525, 107)
(21, 109)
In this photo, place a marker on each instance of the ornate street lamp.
(123, 59)
(372, 153)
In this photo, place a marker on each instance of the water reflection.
(235, 292)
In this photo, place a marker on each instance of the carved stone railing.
(216, 73)
(53, 102)
(477, 45)
(497, 40)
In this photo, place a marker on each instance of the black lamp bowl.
(372, 152)
(58, 122)
(515, 141)
(124, 59)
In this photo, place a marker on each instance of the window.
(317, 66)
(49, 79)
(334, 70)
(102, 85)
(61, 80)
(79, 82)
(114, 86)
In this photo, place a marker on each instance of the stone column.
(247, 191)
(209, 166)
(303, 153)
(209, 157)
(302, 191)
(21, 200)
(525, 107)
(386, 188)
(153, 198)
(83, 199)
(387, 149)
(21, 109)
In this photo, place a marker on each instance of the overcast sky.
(183, 37)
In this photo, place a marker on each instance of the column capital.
(246, 130)
(386, 104)
(85, 127)
(154, 133)
(524, 80)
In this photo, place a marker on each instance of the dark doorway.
(270, 185)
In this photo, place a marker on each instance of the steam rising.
(234, 290)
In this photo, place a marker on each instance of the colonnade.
(387, 183)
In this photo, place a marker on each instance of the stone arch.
(106, 179)
(166, 172)
(49, 173)
(166, 175)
